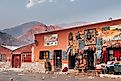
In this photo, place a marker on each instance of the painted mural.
(78, 40)
(51, 40)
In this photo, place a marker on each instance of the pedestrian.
(47, 65)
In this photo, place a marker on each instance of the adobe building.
(5, 56)
(100, 41)
(22, 55)
(15, 56)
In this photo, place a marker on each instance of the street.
(17, 76)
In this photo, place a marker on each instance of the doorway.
(71, 61)
(16, 61)
(58, 59)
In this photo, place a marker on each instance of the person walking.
(47, 65)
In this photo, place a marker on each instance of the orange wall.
(63, 37)
(62, 43)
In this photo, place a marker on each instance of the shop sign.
(111, 38)
(51, 40)
(115, 27)
(114, 33)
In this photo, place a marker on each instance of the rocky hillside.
(6, 39)
(29, 35)
(20, 29)
(26, 31)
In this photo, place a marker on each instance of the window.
(2, 57)
(44, 55)
(26, 57)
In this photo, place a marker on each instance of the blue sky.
(15, 12)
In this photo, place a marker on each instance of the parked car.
(113, 67)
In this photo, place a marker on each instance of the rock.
(90, 77)
(43, 78)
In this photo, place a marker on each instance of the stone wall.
(5, 65)
(33, 67)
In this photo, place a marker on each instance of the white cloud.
(33, 2)
(72, 0)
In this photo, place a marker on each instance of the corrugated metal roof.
(11, 47)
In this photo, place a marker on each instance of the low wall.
(28, 66)
(5, 65)
(33, 67)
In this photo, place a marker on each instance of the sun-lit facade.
(100, 40)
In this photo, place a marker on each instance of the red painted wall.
(7, 52)
(25, 50)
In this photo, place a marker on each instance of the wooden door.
(71, 61)
(58, 59)
(16, 61)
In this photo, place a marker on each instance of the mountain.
(20, 29)
(26, 31)
(72, 24)
(6, 39)
(29, 35)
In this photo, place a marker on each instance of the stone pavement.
(20, 76)
(70, 72)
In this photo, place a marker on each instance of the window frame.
(44, 55)
(1, 58)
